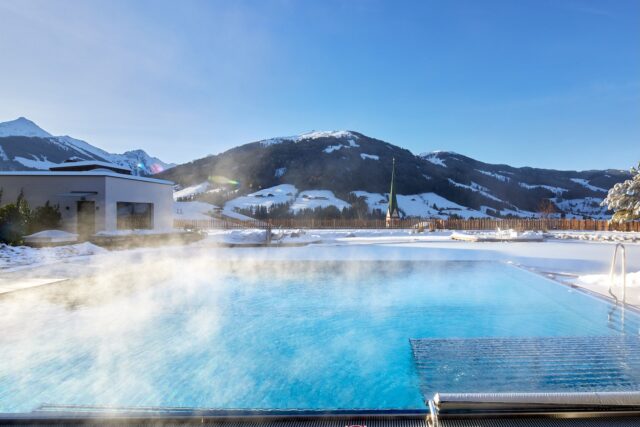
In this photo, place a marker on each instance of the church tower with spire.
(393, 214)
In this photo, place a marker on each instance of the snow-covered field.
(425, 205)
(576, 258)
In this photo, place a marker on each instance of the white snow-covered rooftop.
(85, 163)
(102, 172)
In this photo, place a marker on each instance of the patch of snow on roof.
(95, 172)
(365, 156)
(495, 175)
(191, 191)
(586, 184)
(107, 165)
(22, 127)
(556, 190)
(312, 199)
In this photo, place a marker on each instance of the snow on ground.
(191, 191)
(477, 188)
(280, 172)
(267, 197)
(374, 200)
(597, 236)
(518, 213)
(495, 175)
(230, 213)
(15, 256)
(137, 232)
(500, 235)
(589, 206)
(556, 190)
(603, 280)
(366, 156)
(35, 163)
(586, 184)
(51, 236)
(420, 205)
(312, 199)
(22, 127)
(193, 210)
(258, 237)
(332, 148)
(433, 158)
(434, 205)
(340, 134)
(285, 193)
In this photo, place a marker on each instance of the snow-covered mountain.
(333, 168)
(26, 146)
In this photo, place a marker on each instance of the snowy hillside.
(26, 146)
(347, 162)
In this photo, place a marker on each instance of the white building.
(94, 196)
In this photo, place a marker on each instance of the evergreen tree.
(624, 198)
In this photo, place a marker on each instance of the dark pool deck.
(322, 420)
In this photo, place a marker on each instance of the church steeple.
(393, 214)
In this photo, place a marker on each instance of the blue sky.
(546, 83)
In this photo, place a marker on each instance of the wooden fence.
(428, 224)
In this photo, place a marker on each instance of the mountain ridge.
(26, 146)
(349, 162)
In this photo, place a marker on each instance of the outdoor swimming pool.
(318, 335)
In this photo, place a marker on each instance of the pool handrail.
(624, 273)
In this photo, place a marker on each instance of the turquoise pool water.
(312, 335)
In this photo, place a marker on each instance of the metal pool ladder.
(624, 273)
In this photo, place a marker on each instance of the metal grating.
(542, 422)
(550, 364)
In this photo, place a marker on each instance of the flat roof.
(105, 173)
(70, 166)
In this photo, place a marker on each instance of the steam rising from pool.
(185, 327)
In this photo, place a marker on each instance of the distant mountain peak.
(338, 134)
(22, 127)
(46, 150)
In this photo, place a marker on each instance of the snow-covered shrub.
(624, 198)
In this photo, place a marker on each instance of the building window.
(134, 216)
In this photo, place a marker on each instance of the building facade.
(94, 198)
